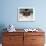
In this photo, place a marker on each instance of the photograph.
(26, 14)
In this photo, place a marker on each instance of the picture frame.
(26, 14)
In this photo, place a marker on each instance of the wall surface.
(8, 13)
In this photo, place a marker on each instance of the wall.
(9, 13)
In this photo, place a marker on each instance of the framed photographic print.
(26, 14)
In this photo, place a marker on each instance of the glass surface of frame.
(26, 14)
